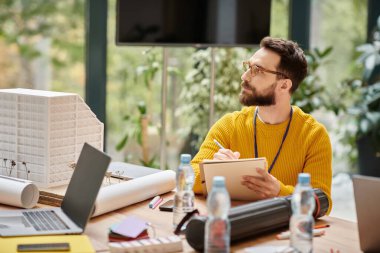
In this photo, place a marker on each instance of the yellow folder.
(78, 243)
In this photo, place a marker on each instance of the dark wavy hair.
(293, 62)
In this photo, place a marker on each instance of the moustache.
(245, 85)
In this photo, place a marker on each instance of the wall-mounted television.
(192, 22)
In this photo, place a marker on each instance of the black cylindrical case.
(254, 218)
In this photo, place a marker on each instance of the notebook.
(77, 205)
(366, 192)
(232, 170)
(78, 243)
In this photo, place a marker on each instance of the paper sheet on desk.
(18, 192)
(130, 192)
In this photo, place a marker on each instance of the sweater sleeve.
(220, 131)
(319, 162)
(285, 190)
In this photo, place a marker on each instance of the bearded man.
(269, 126)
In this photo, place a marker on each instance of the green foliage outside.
(342, 25)
(367, 106)
(279, 19)
(25, 24)
(196, 90)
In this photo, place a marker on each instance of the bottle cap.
(185, 158)
(304, 178)
(218, 181)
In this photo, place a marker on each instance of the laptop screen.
(366, 192)
(84, 185)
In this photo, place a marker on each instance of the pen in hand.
(219, 145)
(227, 154)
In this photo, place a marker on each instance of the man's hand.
(226, 154)
(266, 187)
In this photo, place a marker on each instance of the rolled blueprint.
(18, 192)
(130, 192)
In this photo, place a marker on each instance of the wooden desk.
(342, 235)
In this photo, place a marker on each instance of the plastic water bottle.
(217, 230)
(302, 221)
(184, 196)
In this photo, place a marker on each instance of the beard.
(256, 99)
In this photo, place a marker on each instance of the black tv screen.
(192, 22)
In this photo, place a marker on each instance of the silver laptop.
(77, 205)
(367, 191)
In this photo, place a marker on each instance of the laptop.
(77, 205)
(366, 192)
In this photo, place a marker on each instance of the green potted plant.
(367, 108)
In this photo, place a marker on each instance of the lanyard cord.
(283, 138)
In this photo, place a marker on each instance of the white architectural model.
(42, 134)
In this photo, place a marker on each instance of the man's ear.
(286, 84)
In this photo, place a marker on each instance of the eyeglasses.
(255, 69)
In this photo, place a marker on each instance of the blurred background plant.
(136, 125)
(366, 108)
(41, 38)
(195, 93)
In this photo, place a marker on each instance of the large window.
(42, 46)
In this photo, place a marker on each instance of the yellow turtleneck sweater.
(307, 148)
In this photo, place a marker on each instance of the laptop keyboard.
(45, 220)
